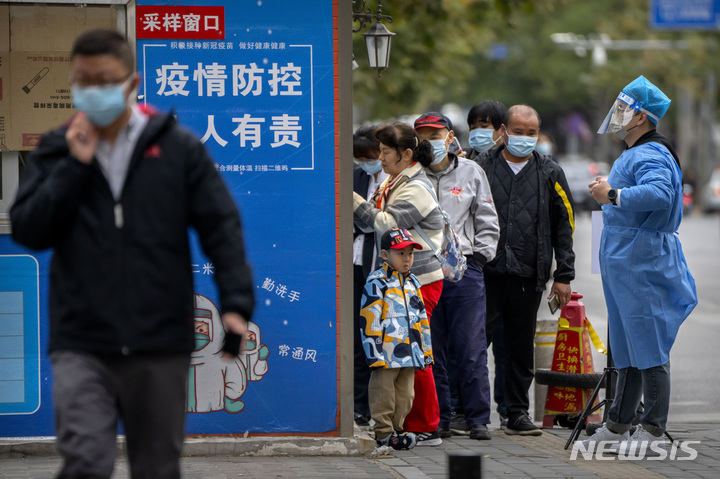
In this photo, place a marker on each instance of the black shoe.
(480, 432)
(522, 426)
(444, 432)
(361, 420)
(428, 438)
(459, 425)
(402, 441)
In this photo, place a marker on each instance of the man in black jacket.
(114, 192)
(535, 210)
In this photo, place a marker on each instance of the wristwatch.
(612, 196)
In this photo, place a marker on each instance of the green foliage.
(442, 53)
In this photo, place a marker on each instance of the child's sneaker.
(402, 441)
(384, 441)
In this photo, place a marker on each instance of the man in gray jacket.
(458, 324)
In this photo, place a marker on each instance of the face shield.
(621, 113)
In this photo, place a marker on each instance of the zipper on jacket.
(407, 318)
(119, 219)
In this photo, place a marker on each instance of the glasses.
(96, 82)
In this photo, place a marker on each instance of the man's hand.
(563, 291)
(599, 188)
(82, 139)
(235, 322)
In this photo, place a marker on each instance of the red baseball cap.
(397, 238)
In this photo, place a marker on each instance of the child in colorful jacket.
(395, 337)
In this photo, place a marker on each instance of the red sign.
(572, 355)
(180, 22)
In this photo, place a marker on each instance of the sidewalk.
(504, 456)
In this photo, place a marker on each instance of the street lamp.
(378, 39)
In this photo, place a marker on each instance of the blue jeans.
(652, 385)
(458, 329)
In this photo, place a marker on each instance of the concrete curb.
(359, 445)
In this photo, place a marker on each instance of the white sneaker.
(644, 444)
(612, 440)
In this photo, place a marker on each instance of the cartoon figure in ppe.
(216, 384)
(648, 288)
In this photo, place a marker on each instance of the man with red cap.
(458, 322)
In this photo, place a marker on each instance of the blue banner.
(262, 101)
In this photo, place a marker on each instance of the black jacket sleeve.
(49, 193)
(213, 214)
(562, 218)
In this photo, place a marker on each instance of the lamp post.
(378, 38)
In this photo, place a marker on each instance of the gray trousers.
(146, 391)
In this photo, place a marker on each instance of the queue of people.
(509, 203)
(512, 212)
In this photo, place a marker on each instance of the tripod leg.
(587, 411)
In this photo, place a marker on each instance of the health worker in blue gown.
(648, 288)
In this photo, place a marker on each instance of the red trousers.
(425, 413)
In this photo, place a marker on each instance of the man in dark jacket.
(367, 177)
(114, 193)
(535, 209)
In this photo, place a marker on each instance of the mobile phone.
(554, 304)
(231, 345)
(455, 145)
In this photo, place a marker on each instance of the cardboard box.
(4, 28)
(36, 28)
(4, 100)
(36, 96)
(40, 97)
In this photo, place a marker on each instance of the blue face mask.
(370, 167)
(439, 150)
(102, 104)
(521, 146)
(544, 148)
(481, 139)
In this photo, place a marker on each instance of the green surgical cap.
(649, 96)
